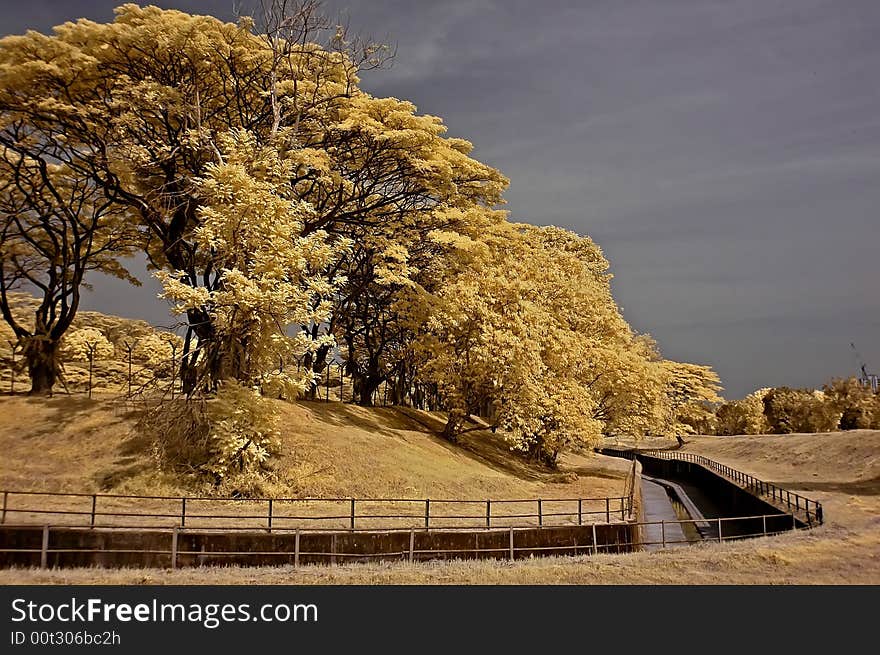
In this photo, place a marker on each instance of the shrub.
(76, 345)
(744, 416)
(244, 430)
(857, 404)
(799, 410)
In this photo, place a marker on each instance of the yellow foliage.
(78, 345)
(528, 327)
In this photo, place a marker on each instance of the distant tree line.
(841, 404)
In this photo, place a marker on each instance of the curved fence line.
(58, 546)
(794, 502)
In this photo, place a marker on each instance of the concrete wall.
(730, 497)
(68, 547)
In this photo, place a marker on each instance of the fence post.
(607, 510)
(488, 513)
(352, 513)
(174, 547)
(595, 544)
(183, 512)
(44, 551)
(793, 522)
(270, 515)
(819, 513)
(173, 345)
(622, 510)
(720, 538)
(764, 519)
(296, 549)
(5, 499)
(580, 512)
(91, 353)
(412, 544)
(663, 532)
(511, 543)
(427, 513)
(12, 379)
(128, 348)
(94, 502)
(540, 515)
(333, 548)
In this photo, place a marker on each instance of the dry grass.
(329, 451)
(828, 555)
(390, 451)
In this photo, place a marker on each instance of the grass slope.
(329, 449)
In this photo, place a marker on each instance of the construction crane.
(867, 379)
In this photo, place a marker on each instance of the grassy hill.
(329, 449)
(72, 443)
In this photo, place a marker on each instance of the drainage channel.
(666, 502)
(682, 508)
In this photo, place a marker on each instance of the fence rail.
(288, 514)
(502, 545)
(795, 503)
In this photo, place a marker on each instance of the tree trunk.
(537, 452)
(317, 362)
(453, 426)
(366, 388)
(399, 389)
(41, 354)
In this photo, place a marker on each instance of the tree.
(858, 404)
(744, 416)
(693, 393)
(270, 278)
(87, 343)
(799, 410)
(146, 98)
(157, 351)
(270, 275)
(526, 325)
(55, 227)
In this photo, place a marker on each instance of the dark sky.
(724, 153)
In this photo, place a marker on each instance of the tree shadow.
(489, 449)
(478, 445)
(388, 421)
(64, 405)
(870, 487)
(134, 456)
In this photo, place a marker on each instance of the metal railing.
(722, 530)
(793, 502)
(287, 514)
